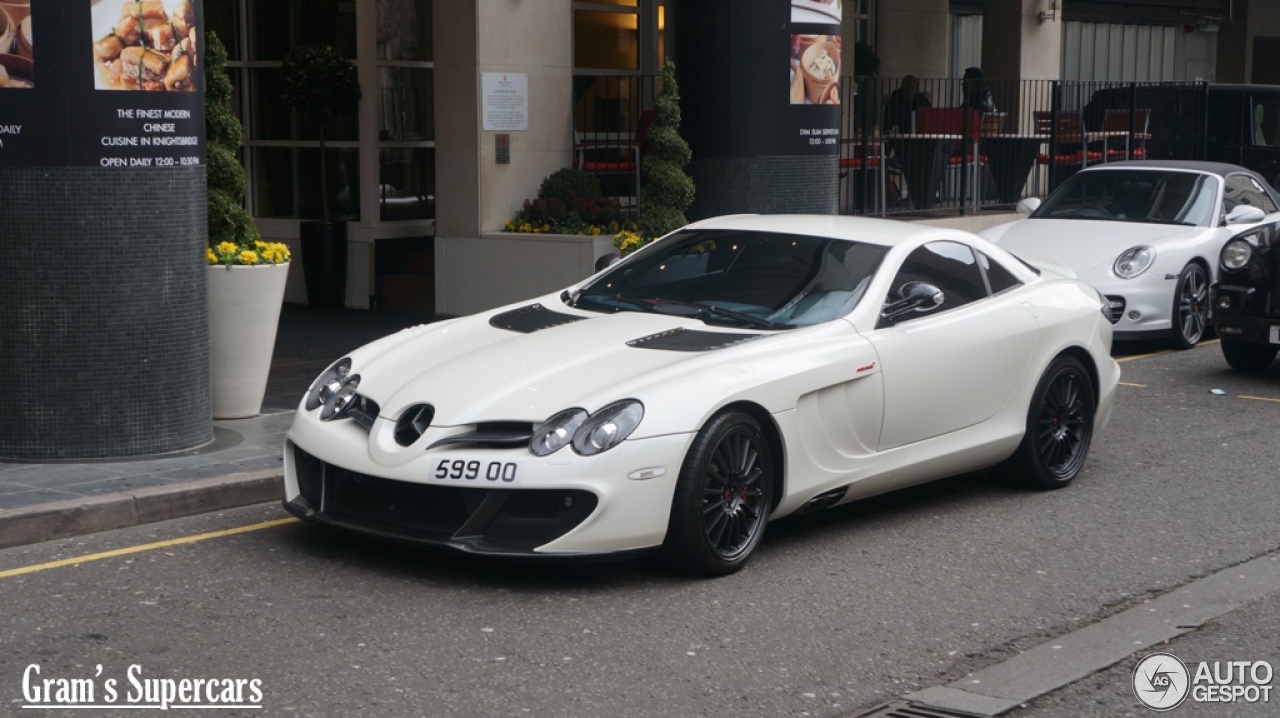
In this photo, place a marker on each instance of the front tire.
(1249, 358)
(1059, 428)
(1190, 306)
(722, 497)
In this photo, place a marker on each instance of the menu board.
(112, 83)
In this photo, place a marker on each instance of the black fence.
(932, 146)
(950, 145)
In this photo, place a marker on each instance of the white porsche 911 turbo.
(1147, 234)
(738, 370)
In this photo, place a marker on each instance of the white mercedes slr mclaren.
(1147, 234)
(739, 370)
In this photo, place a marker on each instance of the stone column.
(1017, 45)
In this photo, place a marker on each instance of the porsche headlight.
(337, 404)
(1134, 261)
(1236, 254)
(608, 427)
(556, 432)
(328, 384)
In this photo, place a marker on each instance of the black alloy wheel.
(1250, 358)
(1190, 306)
(722, 498)
(1059, 428)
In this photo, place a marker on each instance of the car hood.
(472, 371)
(1084, 245)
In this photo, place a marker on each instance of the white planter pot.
(244, 311)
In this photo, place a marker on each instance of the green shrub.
(569, 182)
(228, 220)
(666, 190)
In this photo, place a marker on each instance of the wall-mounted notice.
(505, 101)
(114, 83)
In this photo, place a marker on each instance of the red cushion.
(592, 166)
(968, 159)
(1137, 154)
(1072, 158)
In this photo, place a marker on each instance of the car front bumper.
(563, 505)
(1152, 299)
(1243, 322)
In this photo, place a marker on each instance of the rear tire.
(1248, 357)
(1190, 307)
(1059, 428)
(722, 497)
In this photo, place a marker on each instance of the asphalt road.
(837, 612)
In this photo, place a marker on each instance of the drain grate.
(902, 709)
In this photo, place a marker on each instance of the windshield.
(1148, 195)
(753, 279)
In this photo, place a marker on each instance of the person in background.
(976, 94)
(902, 103)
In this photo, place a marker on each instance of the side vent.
(823, 500)
(532, 318)
(412, 422)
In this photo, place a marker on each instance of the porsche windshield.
(752, 279)
(1147, 195)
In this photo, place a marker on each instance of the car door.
(958, 364)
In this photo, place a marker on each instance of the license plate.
(501, 473)
(1275, 333)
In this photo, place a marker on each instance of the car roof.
(869, 230)
(1221, 169)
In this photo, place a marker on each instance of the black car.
(1246, 298)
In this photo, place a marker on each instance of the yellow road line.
(144, 547)
(1210, 341)
(1140, 386)
(1260, 398)
(1122, 360)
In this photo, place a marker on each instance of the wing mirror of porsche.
(1028, 205)
(915, 297)
(1245, 214)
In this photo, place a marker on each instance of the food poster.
(742, 69)
(114, 83)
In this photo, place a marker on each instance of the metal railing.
(968, 151)
(950, 147)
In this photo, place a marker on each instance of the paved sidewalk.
(50, 499)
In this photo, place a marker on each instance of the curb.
(75, 517)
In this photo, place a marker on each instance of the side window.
(949, 266)
(1243, 189)
(1266, 123)
(998, 278)
(1224, 118)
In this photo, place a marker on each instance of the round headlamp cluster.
(589, 434)
(1134, 261)
(1236, 254)
(334, 390)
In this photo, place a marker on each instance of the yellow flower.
(213, 258)
(226, 247)
(247, 256)
(595, 230)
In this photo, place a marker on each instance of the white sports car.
(739, 370)
(1147, 234)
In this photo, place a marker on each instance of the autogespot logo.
(1161, 681)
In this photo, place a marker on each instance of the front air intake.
(413, 422)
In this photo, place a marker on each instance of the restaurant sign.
(113, 83)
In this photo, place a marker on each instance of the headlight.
(608, 427)
(328, 384)
(337, 404)
(1134, 261)
(556, 432)
(1236, 254)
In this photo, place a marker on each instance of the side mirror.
(915, 297)
(1245, 214)
(1028, 205)
(607, 261)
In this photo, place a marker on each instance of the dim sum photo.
(149, 45)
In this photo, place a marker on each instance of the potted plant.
(246, 276)
(320, 83)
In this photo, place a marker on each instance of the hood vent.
(690, 340)
(413, 422)
(530, 319)
(496, 434)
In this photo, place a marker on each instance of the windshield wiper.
(721, 312)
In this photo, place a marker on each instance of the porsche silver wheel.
(1190, 307)
(722, 497)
